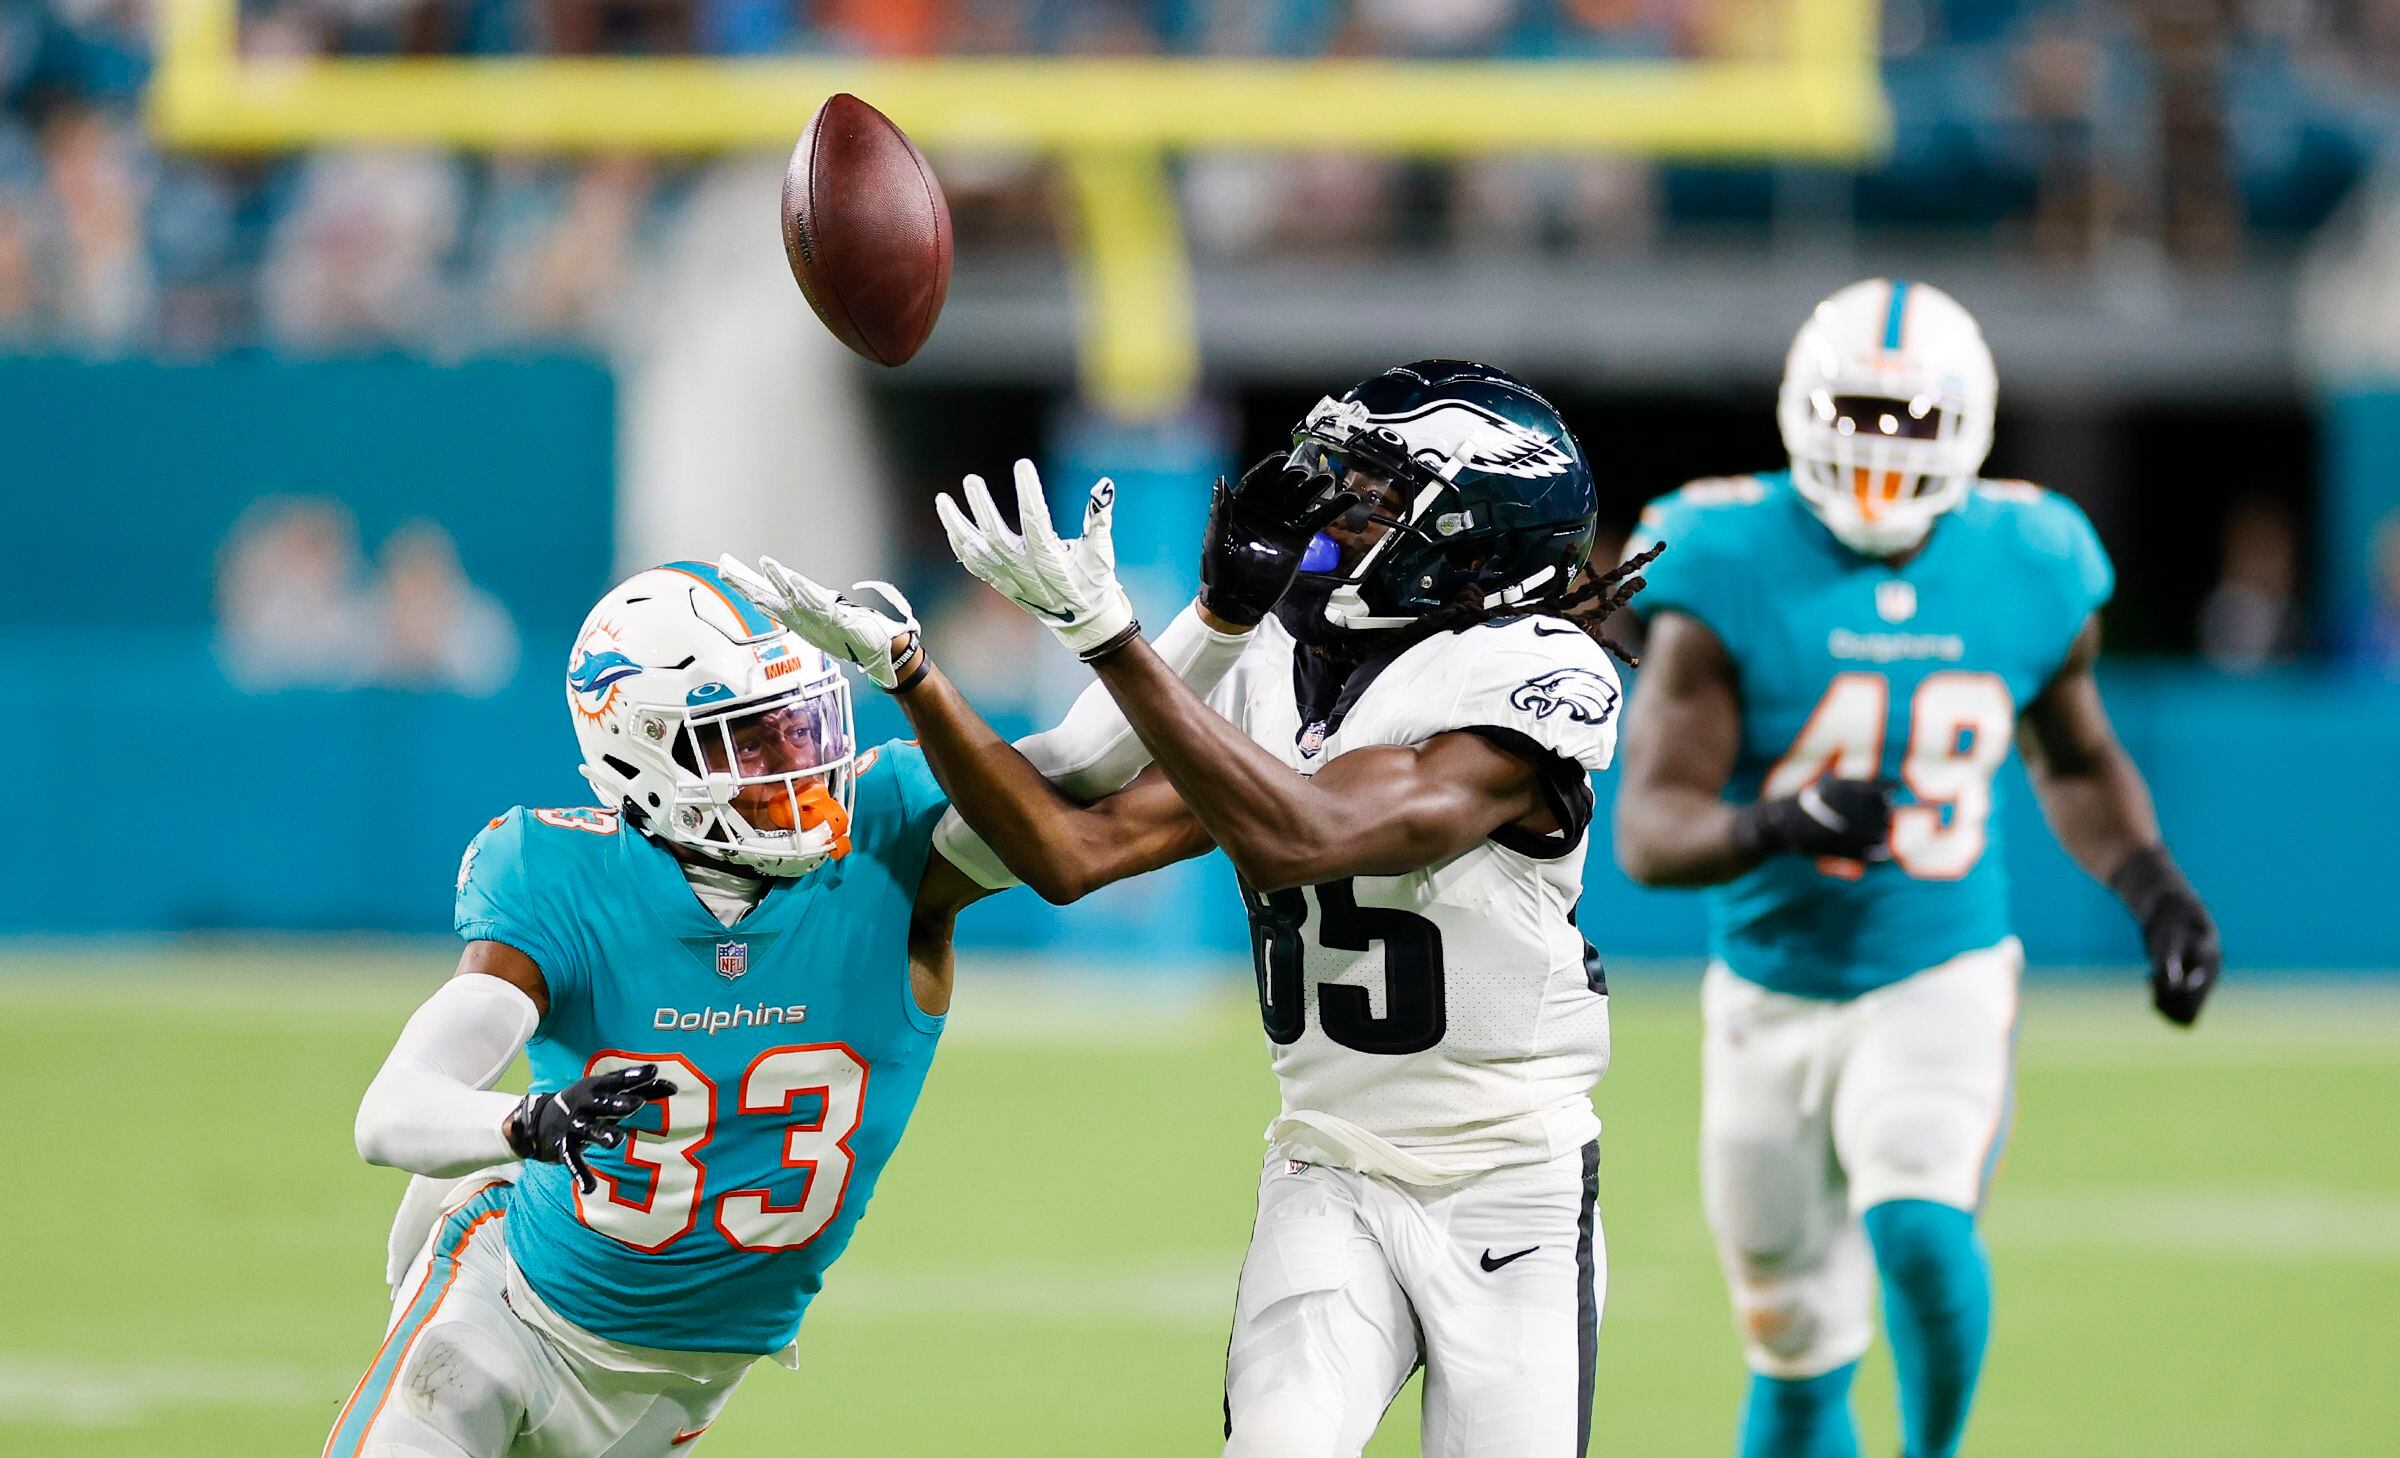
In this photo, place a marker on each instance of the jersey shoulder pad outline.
(588, 819)
(1707, 516)
(1539, 675)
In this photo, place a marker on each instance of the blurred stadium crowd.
(2203, 129)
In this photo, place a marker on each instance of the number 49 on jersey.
(1958, 729)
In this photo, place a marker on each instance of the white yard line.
(2270, 1226)
(85, 1393)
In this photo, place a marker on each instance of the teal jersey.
(792, 1037)
(1851, 666)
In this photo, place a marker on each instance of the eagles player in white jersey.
(1398, 767)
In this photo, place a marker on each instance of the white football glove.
(877, 643)
(1071, 587)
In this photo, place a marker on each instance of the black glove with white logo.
(1849, 820)
(556, 1128)
(1257, 533)
(2177, 932)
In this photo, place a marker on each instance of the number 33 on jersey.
(1852, 667)
(792, 1038)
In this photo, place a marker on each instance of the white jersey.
(1453, 1020)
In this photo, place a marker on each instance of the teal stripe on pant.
(358, 1415)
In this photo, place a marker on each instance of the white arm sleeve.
(1093, 752)
(429, 1109)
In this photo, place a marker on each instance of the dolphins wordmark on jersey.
(1852, 666)
(793, 1039)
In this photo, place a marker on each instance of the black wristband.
(919, 663)
(1132, 631)
(1756, 836)
(512, 1129)
(2147, 877)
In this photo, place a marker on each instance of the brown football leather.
(866, 230)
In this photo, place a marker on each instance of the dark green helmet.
(1469, 484)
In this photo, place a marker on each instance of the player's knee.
(461, 1385)
(1283, 1423)
(1777, 1324)
(1920, 1142)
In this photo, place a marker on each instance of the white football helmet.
(710, 726)
(1886, 410)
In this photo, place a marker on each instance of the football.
(867, 231)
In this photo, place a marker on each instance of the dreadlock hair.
(1588, 607)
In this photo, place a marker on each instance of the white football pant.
(1493, 1285)
(462, 1375)
(1814, 1111)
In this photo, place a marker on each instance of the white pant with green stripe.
(475, 1366)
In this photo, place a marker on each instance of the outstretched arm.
(1372, 812)
(1062, 849)
(429, 1109)
(2099, 808)
(1042, 835)
(1382, 812)
(1683, 732)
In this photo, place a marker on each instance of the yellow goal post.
(1110, 121)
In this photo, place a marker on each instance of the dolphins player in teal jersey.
(1839, 657)
(729, 978)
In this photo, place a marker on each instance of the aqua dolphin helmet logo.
(593, 675)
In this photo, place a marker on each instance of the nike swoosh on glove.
(1070, 587)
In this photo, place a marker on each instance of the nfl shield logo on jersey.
(733, 959)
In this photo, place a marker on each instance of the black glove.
(1257, 532)
(2176, 931)
(556, 1128)
(1849, 820)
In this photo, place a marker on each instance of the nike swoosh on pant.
(1492, 1265)
(682, 1438)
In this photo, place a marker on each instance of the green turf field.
(2197, 1238)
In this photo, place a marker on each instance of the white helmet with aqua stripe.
(710, 726)
(1886, 409)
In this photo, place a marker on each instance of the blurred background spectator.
(435, 629)
(2374, 630)
(2251, 619)
(292, 611)
(2206, 128)
(295, 608)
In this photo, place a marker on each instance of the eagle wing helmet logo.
(1455, 435)
(1584, 696)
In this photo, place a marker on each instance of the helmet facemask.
(1886, 412)
(1344, 557)
(771, 779)
(1879, 468)
(763, 784)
